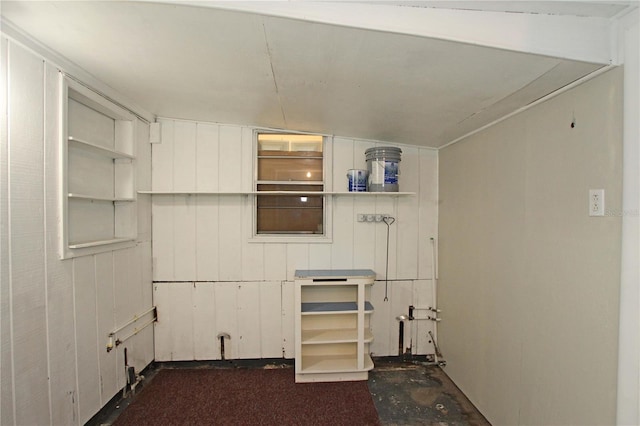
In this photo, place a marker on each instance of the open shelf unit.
(333, 324)
(98, 192)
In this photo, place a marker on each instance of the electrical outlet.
(362, 217)
(596, 202)
(379, 217)
(371, 217)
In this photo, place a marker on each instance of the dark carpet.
(247, 397)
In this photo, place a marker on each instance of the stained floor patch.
(420, 394)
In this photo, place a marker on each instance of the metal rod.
(135, 318)
(137, 330)
(388, 220)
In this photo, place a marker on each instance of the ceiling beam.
(587, 39)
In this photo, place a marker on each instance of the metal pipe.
(136, 331)
(135, 318)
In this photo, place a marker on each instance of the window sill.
(290, 239)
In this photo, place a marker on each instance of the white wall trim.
(628, 402)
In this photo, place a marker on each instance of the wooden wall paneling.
(6, 369)
(105, 314)
(207, 157)
(342, 161)
(84, 290)
(205, 342)
(343, 233)
(363, 232)
(230, 241)
(163, 238)
(297, 258)
(174, 333)
(408, 211)
(184, 156)
(422, 298)
(59, 282)
(343, 206)
(230, 160)
(364, 236)
(143, 156)
(27, 238)
(428, 210)
(143, 181)
(385, 205)
(162, 158)
(207, 238)
(140, 349)
(270, 319)
(127, 288)
(383, 324)
(288, 318)
(249, 316)
(275, 262)
(400, 297)
(319, 256)
(226, 310)
(252, 253)
(247, 159)
(144, 222)
(143, 341)
(184, 243)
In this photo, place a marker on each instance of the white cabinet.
(333, 324)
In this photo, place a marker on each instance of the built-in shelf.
(333, 307)
(99, 243)
(332, 324)
(323, 364)
(95, 198)
(322, 336)
(101, 150)
(357, 194)
(98, 201)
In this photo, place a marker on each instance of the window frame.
(327, 225)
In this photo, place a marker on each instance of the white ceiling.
(203, 61)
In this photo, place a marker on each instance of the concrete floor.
(404, 393)
(415, 393)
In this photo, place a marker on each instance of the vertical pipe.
(434, 296)
(401, 339)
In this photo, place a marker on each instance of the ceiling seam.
(273, 73)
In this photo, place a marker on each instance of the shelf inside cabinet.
(333, 307)
(101, 150)
(97, 198)
(333, 363)
(345, 335)
(99, 243)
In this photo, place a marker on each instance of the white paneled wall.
(56, 314)
(209, 274)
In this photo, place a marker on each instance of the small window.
(290, 163)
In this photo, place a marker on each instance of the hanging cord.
(388, 220)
